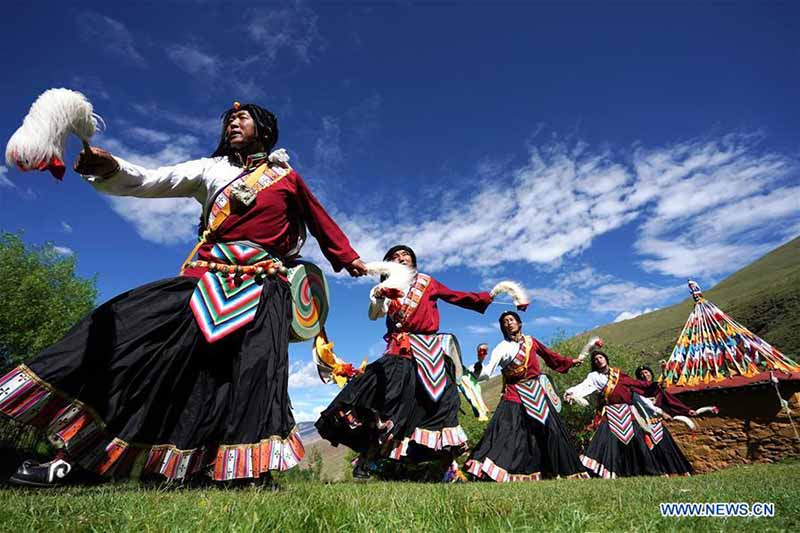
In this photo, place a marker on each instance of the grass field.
(593, 505)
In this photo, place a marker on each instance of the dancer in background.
(618, 447)
(668, 456)
(525, 439)
(405, 405)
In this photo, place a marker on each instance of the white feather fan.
(39, 143)
(513, 289)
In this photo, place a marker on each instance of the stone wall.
(751, 427)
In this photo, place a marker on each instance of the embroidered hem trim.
(71, 423)
(436, 440)
(597, 468)
(488, 468)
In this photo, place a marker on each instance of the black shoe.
(50, 474)
(361, 471)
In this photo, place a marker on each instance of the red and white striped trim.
(488, 468)
(597, 468)
(436, 440)
(26, 398)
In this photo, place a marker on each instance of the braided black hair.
(266, 130)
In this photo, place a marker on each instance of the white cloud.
(597, 292)
(160, 220)
(92, 86)
(109, 36)
(192, 60)
(308, 414)
(304, 375)
(65, 227)
(552, 320)
(327, 149)
(4, 181)
(627, 315)
(552, 297)
(200, 126)
(291, 30)
(482, 330)
(148, 135)
(705, 207)
(63, 250)
(716, 204)
(585, 276)
(623, 295)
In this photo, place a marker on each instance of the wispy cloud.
(65, 227)
(627, 315)
(552, 320)
(482, 330)
(291, 30)
(193, 60)
(160, 220)
(716, 204)
(63, 250)
(110, 36)
(4, 181)
(92, 86)
(328, 149)
(621, 296)
(567, 195)
(204, 127)
(304, 375)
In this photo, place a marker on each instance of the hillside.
(763, 296)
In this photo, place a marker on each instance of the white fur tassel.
(52, 117)
(580, 400)
(685, 420)
(397, 276)
(707, 409)
(513, 289)
(594, 343)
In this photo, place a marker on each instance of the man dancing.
(189, 373)
(525, 439)
(405, 405)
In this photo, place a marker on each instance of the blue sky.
(598, 154)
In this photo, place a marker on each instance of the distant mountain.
(307, 432)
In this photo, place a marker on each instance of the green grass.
(594, 505)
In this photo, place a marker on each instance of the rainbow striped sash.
(220, 304)
(429, 355)
(534, 399)
(620, 421)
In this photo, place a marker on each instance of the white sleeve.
(649, 403)
(378, 307)
(494, 361)
(584, 388)
(181, 180)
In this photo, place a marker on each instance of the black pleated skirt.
(515, 447)
(669, 458)
(135, 386)
(386, 410)
(608, 457)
